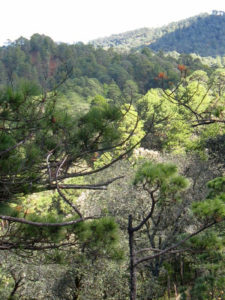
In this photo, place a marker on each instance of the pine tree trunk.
(133, 279)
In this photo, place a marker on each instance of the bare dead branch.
(49, 167)
(99, 186)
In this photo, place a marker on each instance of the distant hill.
(129, 39)
(203, 34)
(45, 62)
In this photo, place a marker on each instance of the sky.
(72, 21)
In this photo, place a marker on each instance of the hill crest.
(203, 34)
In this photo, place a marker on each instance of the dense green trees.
(163, 186)
(169, 224)
(73, 130)
(201, 34)
(191, 113)
(45, 62)
(42, 148)
(46, 148)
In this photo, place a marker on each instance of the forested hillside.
(45, 62)
(203, 34)
(40, 58)
(112, 171)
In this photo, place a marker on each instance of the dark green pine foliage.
(203, 35)
(35, 137)
(90, 69)
(214, 205)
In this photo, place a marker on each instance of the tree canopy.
(80, 203)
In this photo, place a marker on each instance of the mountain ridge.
(191, 32)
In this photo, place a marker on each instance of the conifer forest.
(112, 165)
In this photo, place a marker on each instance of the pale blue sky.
(82, 20)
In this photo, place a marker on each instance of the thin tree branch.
(49, 167)
(206, 122)
(98, 186)
(176, 245)
(159, 250)
(149, 214)
(73, 175)
(61, 193)
(41, 224)
(15, 146)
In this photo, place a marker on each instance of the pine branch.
(42, 224)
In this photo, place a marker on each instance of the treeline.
(42, 60)
(143, 36)
(202, 35)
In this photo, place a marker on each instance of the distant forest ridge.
(203, 34)
(42, 60)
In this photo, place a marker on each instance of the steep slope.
(129, 39)
(141, 37)
(203, 34)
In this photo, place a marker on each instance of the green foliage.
(100, 119)
(214, 205)
(216, 186)
(195, 33)
(207, 241)
(208, 285)
(201, 34)
(41, 127)
(90, 69)
(88, 123)
(37, 135)
(99, 235)
(6, 209)
(187, 117)
(51, 233)
(161, 177)
(131, 132)
(164, 121)
(211, 208)
(154, 173)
